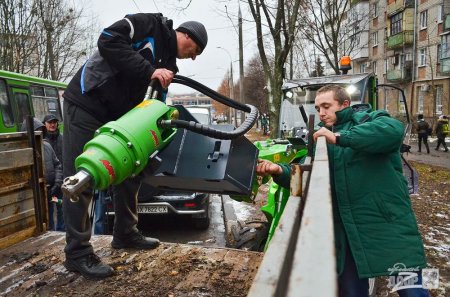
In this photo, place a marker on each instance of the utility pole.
(241, 64)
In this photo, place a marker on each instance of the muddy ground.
(34, 268)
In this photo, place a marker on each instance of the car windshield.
(201, 118)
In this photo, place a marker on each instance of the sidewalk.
(435, 158)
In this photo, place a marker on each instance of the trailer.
(32, 264)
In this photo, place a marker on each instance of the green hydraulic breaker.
(122, 148)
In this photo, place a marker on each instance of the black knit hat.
(196, 31)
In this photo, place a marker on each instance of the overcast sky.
(210, 67)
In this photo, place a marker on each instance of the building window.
(420, 101)
(374, 67)
(362, 68)
(445, 46)
(402, 61)
(439, 95)
(375, 10)
(396, 23)
(385, 66)
(401, 104)
(423, 19)
(375, 38)
(422, 57)
(440, 13)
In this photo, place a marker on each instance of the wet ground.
(436, 158)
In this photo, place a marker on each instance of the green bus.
(22, 95)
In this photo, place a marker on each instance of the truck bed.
(34, 267)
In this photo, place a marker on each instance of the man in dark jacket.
(375, 226)
(423, 131)
(131, 52)
(53, 172)
(54, 137)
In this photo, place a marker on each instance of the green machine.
(125, 147)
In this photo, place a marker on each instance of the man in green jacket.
(375, 226)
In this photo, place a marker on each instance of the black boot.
(134, 240)
(89, 266)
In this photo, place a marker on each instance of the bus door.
(6, 110)
(21, 99)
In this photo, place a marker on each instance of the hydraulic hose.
(211, 132)
(210, 93)
(206, 130)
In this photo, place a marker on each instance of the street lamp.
(230, 82)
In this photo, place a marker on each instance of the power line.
(157, 8)
(136, 6)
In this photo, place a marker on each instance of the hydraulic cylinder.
(122, 148)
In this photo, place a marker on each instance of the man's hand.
(329, 136)
(164, 76)
(265, 168)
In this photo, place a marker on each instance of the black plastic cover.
(197, 163)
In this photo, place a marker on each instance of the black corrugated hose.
(206, 130)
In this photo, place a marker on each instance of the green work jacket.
(372, 210)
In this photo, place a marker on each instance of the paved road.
(436, 158)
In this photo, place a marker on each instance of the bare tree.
(255, 85)
(332, 27)
(65, 41)
(17, 38)
(46, 38)
(224, 89)
(279, 18)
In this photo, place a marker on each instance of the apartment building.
(409, 46)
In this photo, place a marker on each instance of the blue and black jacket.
(116, 77)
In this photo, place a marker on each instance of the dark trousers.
(441, 140)
(79, 128)
(423, 137)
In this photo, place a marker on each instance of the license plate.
(152, 209)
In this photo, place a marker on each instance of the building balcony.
(399, 75)
(401, 39)
(399, 5)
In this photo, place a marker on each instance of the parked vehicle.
(22, 95)
(201, 114)
(194, 205)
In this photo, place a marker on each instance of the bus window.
(5, 106)
(45, 101)
(23, 107)
(51, 92)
